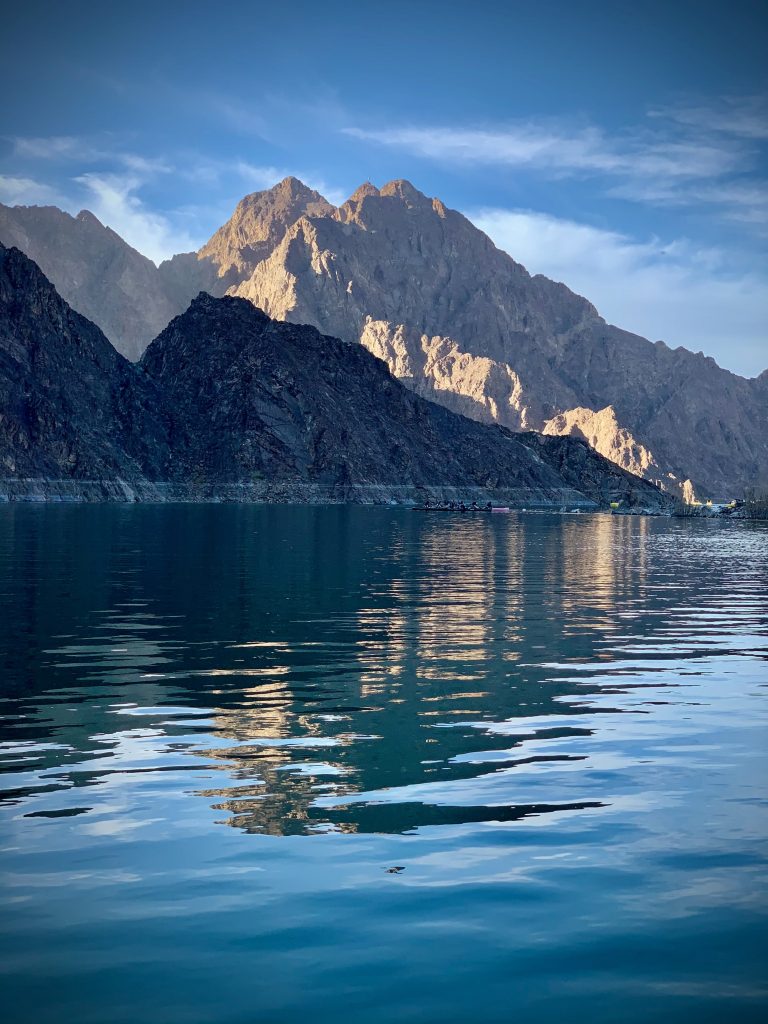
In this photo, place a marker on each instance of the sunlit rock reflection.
(366, 692)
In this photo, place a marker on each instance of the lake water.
(273, 764)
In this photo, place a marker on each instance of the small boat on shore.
(462, 509)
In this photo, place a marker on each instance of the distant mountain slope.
(455, 318)
(227, 402)
(94, 270)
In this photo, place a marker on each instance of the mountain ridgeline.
(457, 320)
(229, 404)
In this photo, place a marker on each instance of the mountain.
(229, 403)
(95, 271)
(462, 323)
(71, 407)
(258, 398)
(123, 292)
(455, 318)
(257, 227)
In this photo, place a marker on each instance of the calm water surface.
(223, 727)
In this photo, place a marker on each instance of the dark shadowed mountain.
(71, 407)
(459, 322)
(258, 398)
(229, 403)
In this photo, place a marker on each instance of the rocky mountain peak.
(366, 189)
(402, 189)
(295, 188)
(456, 318)
(257, 226)
(88, 218)
(367, 197)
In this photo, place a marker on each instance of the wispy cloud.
(52, 147)
(27, 192)
(744, 116)
(538, 146)
(85, 150)
(114, 199)
(672, 290)
(683, 155)
(742, 200)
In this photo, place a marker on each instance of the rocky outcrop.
(71, 407)
(460, 321)
(258, 225)
(603, 432)
(227, 404)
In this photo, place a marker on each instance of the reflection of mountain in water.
(328, 668)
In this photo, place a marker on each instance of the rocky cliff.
(257, 227)
(229, 403)
(456, 319)
(71, 407)
(460, 322)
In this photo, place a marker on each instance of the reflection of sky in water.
(563, 716)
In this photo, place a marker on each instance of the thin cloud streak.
(685, 156)
(534, 146)
(744, 116)
(84, 150)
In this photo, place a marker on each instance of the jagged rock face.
(476, 386)
(227, 397)
(258, 225)
(602, 431)
(70, 405)
(399, 259)
(95, 271)
(462, 323)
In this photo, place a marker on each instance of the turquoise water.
(224, 728)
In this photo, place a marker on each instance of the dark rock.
(71, 407)
(227, 404)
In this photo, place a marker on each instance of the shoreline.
(45, 491)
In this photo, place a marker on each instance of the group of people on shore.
(455, 506)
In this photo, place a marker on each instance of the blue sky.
(619, 147)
